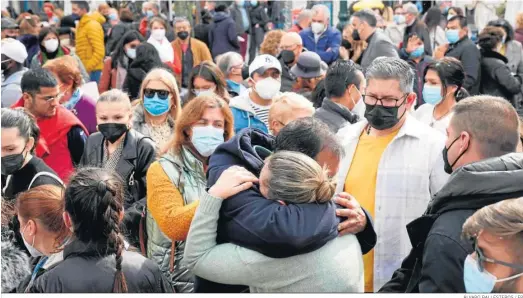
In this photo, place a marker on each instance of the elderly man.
(303, 22)
(288, 107)
(231, 65)
(291, 47)
(414, 28)
(378, 44)
(322, 38)
(393, 164)
(482, 133)
(309, 71)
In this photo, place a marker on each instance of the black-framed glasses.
(480, 258)
(162, 94)
(384, 101)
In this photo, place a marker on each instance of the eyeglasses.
(53, 98)
(162, 94)
(480, 258)
(384, 101)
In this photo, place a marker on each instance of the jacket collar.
(493, 54)
(342, 111)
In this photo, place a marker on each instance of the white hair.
(293, 36)
(305, 14)
(410, 8)
(288, 102)
(321, 8)
(227, 61)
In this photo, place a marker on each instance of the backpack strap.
(45, 174)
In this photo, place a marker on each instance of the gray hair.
(296, 178)
(305, 14)
(114, 95)
(155, 6)
(387, 68)
(321, 8)
(227, 61)
(492, 121)
(411, 8)
(181, 20)
(367, 16)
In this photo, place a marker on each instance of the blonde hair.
(296, 178)
(519, 21)
(288, 103)
(271, 42)
(162, 75)
(114, 95)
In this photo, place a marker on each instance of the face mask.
(49, 14)
(480, 282)
(131, 53)
(317, 28)
(5, 64)
(206, 138)
(355, 35)
(183, 35)
(35, 253)
(359, 107)
(203, 92)
(448, 166)
(112, 131)
(267, 88)
(432, 94)
(254, 2)
(51, 45)
(288, 57)
(158, 34)
(418, 52)
(113, 16)
(452, 35)
(12, 163)
(381, 117)
(399, 19)
(149, 13)
(155, 105)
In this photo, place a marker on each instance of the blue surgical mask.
(113, 16)
(452, 35)
(477, 281)
(399, 19)
(206, 138)
(149, 13)
(131, 53)
(156, 106)
(432, 94)
(418, 52)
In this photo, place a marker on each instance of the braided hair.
(94, 200)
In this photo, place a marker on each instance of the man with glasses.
(62, 135)
(231, 64)
(482, 136)
(291, 46)
(392, 166)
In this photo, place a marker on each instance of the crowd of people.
(234, 155)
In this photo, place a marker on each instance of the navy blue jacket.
(223, 37)
(330, 39)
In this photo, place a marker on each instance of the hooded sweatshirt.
(244, 114)
(223, 37)
(436, 236)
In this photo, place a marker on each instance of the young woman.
(207, 77)
(443, 88)
(42, 228)
(96, 261)
(115, 66)
(177, 181)
(157, 26)
(67, 73)
(147, 58)
(117, 147)
(291, 178)
(158, 107)
(50, 48)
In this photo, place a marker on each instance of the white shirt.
(164, 48)
(425, 114)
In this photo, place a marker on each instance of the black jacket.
(466, 51)
(236, 15)
(287, 78)
(137, 155)
(496, 78)
(420, 29)
(117, 32)
(223, 36)
(201, 32)
(435, 264)
(335, 115)
(85, 270)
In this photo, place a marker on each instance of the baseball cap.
(14, 49)
(8, 23)
(263, 62)
(309, 65)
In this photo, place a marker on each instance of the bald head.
(291, 41)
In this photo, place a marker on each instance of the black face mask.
(5, 65)
(112, 131)
(448, 166)
(346, 44)
(381, 117)
(183, 35)
(12, 163)
(288, 57)
(355, 35)
(11, 36)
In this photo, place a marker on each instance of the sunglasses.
(162, 94)
(480, 258)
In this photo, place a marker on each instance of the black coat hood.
(482, 183)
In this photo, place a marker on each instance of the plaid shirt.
(409, 173)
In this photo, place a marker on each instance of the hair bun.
(325, 190)
(101, 188)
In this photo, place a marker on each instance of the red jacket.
(53, 146)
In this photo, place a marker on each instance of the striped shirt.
(262, 112)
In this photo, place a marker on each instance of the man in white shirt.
(392, 165)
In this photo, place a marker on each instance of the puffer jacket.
(436, 236)
(496, 77)
(90, 43)
(187, 175)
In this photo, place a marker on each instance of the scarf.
(58, 53)
(75, 98)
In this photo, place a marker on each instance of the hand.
(356, 219)
(257, 26)
(232, 181)
(241, 39)
(413, 43)
(440, 51)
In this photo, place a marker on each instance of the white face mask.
(35, 253)
(317, 28)
(51, 45)
(359, 108)
(267, 88)
(131, 53)
(158, 34)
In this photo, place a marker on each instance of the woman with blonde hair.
(355, 51)
(158, 106)
(177, 181)
(290, 178)
(271, 43)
